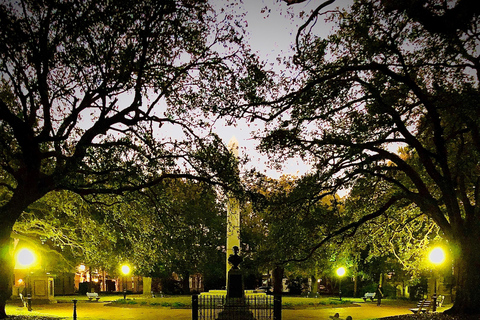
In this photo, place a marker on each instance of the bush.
(178, 305)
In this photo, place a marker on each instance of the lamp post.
(26, 259)
(436, 257)
(340, 274)
(125, 270)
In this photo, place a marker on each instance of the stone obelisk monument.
(233, 214)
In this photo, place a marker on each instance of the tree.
(61, 224)
(93, 93)
(175, 226)
(280, 224)
(388, 77)
(188, 228)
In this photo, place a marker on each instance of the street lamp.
(125, 270)
(436, 257)
(340, 273)
(26, 259)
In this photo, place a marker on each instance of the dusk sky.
(271, 33)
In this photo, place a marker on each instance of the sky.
(272, 28)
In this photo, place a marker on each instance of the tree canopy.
(102, 97)
(387, 78)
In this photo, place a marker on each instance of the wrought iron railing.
(219, 307)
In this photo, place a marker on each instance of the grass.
(32, 318)
(185, 301)
(301, 302)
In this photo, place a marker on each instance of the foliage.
(188, 228)
(387, 78)
(176, 226)
(62, 227)
(108, 97)
(279, 223)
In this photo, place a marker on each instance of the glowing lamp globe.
(25, 257)
(437, 255)
(125, 269)
(341, 271)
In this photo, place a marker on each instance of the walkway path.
(101, 311)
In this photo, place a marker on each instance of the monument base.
(248, 293)
(235, 308)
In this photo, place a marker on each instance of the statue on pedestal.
(235, 306)
(235, 280)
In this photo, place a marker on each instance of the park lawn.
(293, 302)
(132, 299)
(185, 301)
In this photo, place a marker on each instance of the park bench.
(369, 295)
(93, 295)
(422, 306)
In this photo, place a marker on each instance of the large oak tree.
(393, 75)
(92, 92)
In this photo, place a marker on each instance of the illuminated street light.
(126, 271)
(25, 259)
(436, 257)
(340, 273)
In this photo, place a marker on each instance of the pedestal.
(235, 284)
(235, 308)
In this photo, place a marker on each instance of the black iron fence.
(218, 307)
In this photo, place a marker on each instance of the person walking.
(379, 294)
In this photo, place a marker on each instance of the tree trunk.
(6, 267)
(467, 299)
(186, 283)
(278, 280)
(314, 285)
(9, 213)
(355, 284)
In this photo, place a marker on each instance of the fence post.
(29, 302)
(74, 309)
(195, 307)
(277, 307)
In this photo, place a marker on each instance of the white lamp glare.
(437, 255)
(125, 269)
(25, 257)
